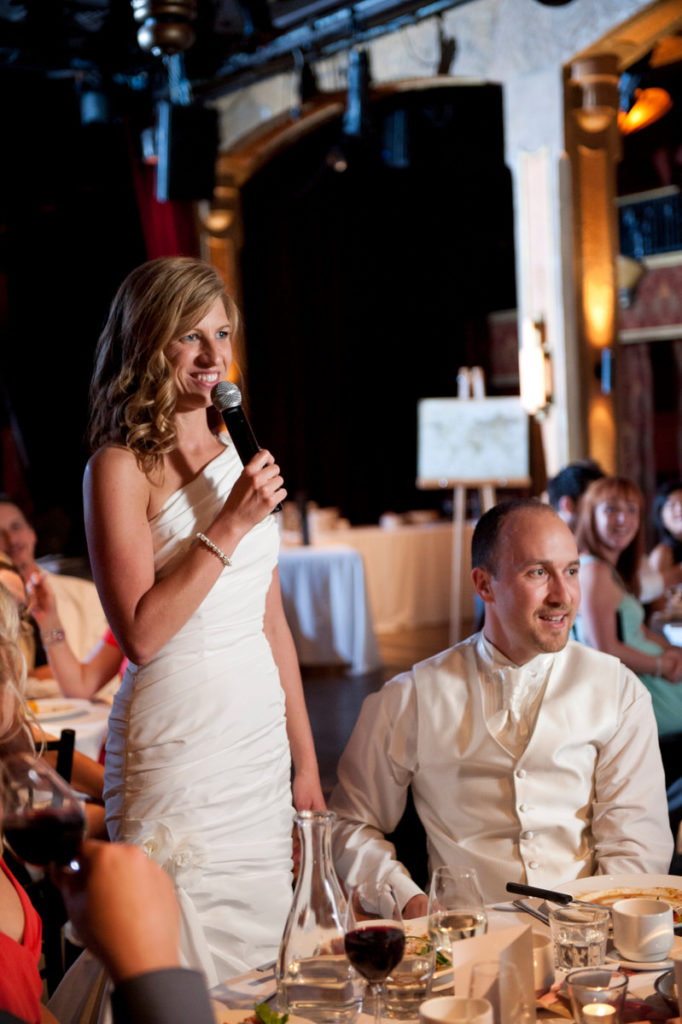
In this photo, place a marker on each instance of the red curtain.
(169, 228)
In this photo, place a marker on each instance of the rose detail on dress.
(183, 859)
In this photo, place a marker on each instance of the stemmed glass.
(43, 820)
(455, 909)
(374, 939)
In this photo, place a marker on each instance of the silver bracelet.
(52, 637)
(213, 548)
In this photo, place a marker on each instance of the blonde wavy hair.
(133, 392)
(13, 678)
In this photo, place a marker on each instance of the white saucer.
(639, 965)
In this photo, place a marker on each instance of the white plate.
(601, 883)
(50, 710)
(223, 1015)
(638, 965)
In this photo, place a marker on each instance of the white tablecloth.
(87, 719)
(408, 571)
(325, 603)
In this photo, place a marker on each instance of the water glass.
(409, 984)
(580, 934)
(597, 996)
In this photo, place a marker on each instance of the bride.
(184, 554)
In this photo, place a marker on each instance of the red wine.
(375, 949)
(49, 836)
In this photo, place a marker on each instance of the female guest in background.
(667, 514)
(75, 678)
(20, 927)
(184, 555)
(610, 541)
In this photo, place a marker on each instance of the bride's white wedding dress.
(198, 763)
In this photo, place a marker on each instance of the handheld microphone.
(227, 399)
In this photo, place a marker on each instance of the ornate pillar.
(593, 146)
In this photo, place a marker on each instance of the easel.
(470, 384)
(457, 436)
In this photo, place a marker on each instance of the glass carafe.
(314, 977)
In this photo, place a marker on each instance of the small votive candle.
(597, 995)
(599, 1012)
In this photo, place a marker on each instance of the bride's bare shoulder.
(115, 463)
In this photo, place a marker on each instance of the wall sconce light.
(535, 368)
(640, 104)
(629, 273)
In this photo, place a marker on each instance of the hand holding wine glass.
(375, 939)
(43, 821)
(456, 909)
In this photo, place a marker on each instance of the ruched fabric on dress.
(198, 764)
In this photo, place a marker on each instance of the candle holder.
(597, 995)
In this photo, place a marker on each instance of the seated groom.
(530, 757)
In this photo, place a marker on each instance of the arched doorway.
(365, 286)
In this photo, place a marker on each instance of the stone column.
(593, 147)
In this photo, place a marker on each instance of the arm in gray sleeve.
(630, 812)
(174, 995)
(374, 774)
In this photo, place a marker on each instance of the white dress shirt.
(564, 781)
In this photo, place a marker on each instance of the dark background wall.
(364, 290)
(69, 231)
(367, 289)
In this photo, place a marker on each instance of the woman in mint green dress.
(610, 539)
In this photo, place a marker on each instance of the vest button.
(527, 835)
(521, 773)
(533, 865)
(523, 807)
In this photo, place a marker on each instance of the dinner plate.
(51, 710)
(223, 1015)
(624, 886)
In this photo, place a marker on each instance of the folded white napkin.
(513, 945)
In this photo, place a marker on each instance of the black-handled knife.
(543, 894)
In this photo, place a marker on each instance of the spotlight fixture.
(165, 25)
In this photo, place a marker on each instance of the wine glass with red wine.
(375, 938)
(43, 820)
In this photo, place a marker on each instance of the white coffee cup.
(455, 1010)
(543, 963)
(643, 929)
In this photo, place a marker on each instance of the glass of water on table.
(579, 934)
(456, 909)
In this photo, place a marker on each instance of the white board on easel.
(472, 441)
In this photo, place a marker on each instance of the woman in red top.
(20, 926)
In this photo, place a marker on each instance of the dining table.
(324, 594)
(407, 569)
(87, 718)
(236, 995)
